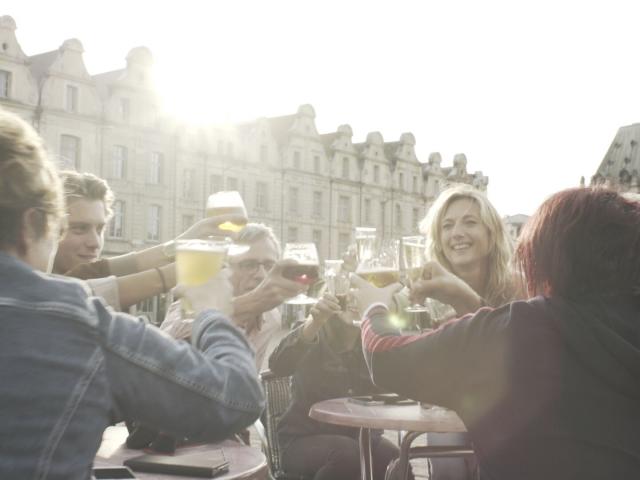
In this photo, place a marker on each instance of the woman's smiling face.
(465, 239)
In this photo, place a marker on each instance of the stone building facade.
(620, 167)
(307, 185)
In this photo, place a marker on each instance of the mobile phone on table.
(112, 473)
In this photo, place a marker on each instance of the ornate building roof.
(620, 167)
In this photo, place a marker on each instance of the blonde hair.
(82, 185)
(28, 179)
(500, 287)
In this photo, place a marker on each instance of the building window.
(293, 199)
(398, 216)
(72, 98)
(264, 154)
(317, 239)
(215, 183)
(262, 196)
(153, 224)
(116, 227)
(232, 183)
(345, 167)
(292, 234)
(316, 163)
(187, 221)
(296, 160)
(367, 211)
(344, 239)
(155, 168)
(119, 161)
(317, 204)
(69, 152)
(416, 218)
(125, 108)
(376, 173)
(5, 84)
(415, 184)
(401, 181)
(344, 208)
(188, 183)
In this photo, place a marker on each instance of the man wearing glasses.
(259, 287)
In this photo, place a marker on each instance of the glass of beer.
(227, 203)
(382, 269)
(412, 262)
(365, 243)
(197, 261)
(305, 272)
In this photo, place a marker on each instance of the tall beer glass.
(197, 261)
(226, 203)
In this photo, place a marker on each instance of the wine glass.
(413, 248)
(381, 269)
(305, 272)
(227, 203)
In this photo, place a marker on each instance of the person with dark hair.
(70, 366)
(548, 388)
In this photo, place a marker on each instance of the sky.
(533, 92)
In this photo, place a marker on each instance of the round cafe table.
(412, 418)
(245, 462)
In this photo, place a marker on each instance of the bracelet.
(161, 275)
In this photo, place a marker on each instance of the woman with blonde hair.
(70, 366)
(466, 237)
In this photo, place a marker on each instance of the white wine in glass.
(382, 269)
(227, 203)
(413, 259)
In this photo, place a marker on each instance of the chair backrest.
(278, 396)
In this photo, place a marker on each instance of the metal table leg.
(366, 470)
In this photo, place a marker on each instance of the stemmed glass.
(305, 272)
(412, 262)
(381, 269)
(227, 203)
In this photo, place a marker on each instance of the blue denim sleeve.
(205, 391)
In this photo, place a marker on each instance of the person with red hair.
(548, 387)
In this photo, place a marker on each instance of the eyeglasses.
(251, 266)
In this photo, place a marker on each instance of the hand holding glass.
(305, 272)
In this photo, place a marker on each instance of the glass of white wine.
(227, 203)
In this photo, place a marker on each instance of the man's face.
(249, 269)
(85, 237)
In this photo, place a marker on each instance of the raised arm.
(207, 390)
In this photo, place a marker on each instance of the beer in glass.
(227, 203)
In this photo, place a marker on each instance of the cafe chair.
(277, 392)
(399, 468)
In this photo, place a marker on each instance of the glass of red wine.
(305, 272)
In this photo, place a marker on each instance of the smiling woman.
(465, 235)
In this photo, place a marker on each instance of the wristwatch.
(169, 250)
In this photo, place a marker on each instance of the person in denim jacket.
(70, 366)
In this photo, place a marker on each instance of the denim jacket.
(69, 366)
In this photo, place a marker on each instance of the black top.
(548, 388)
(319, 373)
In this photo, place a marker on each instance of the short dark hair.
(582, 242)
